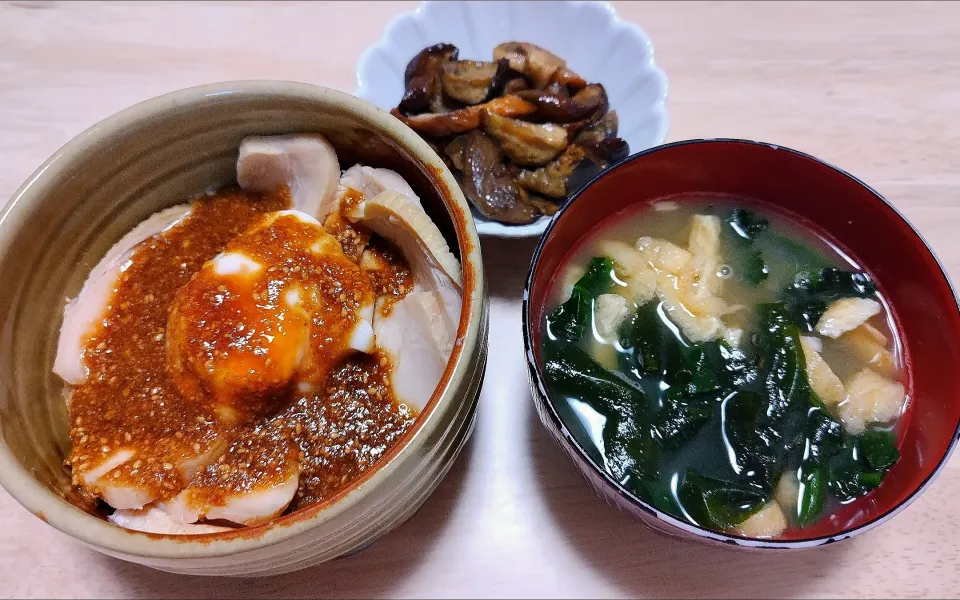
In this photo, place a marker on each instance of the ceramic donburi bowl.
(157, 154)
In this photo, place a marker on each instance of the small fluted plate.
(596, 44)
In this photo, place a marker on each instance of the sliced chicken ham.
(371, 181)
(252, 483)
(153, 519)
(418, 331)
(358, 183)
(305, 163)
(415, 336)
(98, 476)
(82, 313)
(81, 316)
(115, 494)
(404, 224)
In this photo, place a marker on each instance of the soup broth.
(725, 365)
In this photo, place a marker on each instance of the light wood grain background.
(873, 87)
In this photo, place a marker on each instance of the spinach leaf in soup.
(860, 465)
(744, 228)
(751, 442)
(684, 375)
(655, 493)
(879, 448)
(653, 347)
(693, 399)
(571, 371)
(824, 436)
(813, 493)
(630, 451)
(805, 435)
(795, 255)
(811, 293)
(734, 367)
(780, 360)
(747, 224)
(681, 417)
(832, 460)
(767, 420)
(848, 477)
(627, 438)
(700, 373)
(755, 270)
(774, 423)
(571, 319)
(718, 504)
(642, 339)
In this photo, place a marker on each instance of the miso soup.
(725, 365)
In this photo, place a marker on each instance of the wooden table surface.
(872, 87)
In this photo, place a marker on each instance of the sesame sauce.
(138, 401)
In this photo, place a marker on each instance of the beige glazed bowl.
(157, 154)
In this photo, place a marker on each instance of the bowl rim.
(535, 375)
(101, 534)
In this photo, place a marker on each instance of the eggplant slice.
(588, 104)
(551, 180)
(454, 151)
(601, 142)
(488, 184)
(606, 126)
(527, 144)
(473, 81)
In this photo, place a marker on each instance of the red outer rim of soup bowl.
(907, 486)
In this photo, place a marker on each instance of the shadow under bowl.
(163, 152)
(838, 207)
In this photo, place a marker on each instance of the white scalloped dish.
(595, 43)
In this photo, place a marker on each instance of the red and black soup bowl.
(839, 208)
